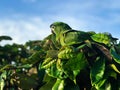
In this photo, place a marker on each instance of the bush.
(45, 65)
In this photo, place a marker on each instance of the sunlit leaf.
(67, 53)
(100, 83)
(74, 65)
(114, 68)
(54, 72)
(101, 38)
(59, 85)
(77, 63)
(3, 77)
(106, 85)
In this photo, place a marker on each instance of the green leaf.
(5, 38)
(54, 72)
(110, 72)
(106, 85)
(67, 52)
(41, 73)
(51, 68)
(35, 57)
(4, 67)
(49, 83)
(97, 72)
(100, 84)
(52, 53)
(49, 64)
(74, 65)
(115, 56)
(25, 66)
(77, 63)
(114, 68)
(59, 85)
(101, 38)
(104, 50)
(2, 80)
(47, 60)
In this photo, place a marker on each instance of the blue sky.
(26, 20)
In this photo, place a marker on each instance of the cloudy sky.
(26, 20)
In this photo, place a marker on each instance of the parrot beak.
(52, 29)
(52, 32)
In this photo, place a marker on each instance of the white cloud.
(34, 28)
(22, 30)
(91, 15)
(74, 22)
(92, 23)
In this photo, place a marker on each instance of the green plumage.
(67, 36)
(73, 37)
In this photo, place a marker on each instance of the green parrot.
(66, 36)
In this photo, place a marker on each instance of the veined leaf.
(77, 63)
(59, 85)
(46, 61)
(67, 53)
(74, 65)
(106, 85)
(100, 84)
(115, 56)
(54, 72)
(101, 38)
(97, 71)
(49, 64)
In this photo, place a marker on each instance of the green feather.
(66, 36)
(73, 37)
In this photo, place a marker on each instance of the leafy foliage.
(19, 65)
(91, 64)
(5, 38)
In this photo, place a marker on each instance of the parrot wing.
(73, 37)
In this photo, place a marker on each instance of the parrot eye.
(52, 27)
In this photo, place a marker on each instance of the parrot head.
(58, 28)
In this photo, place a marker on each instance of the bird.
(66, 36)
